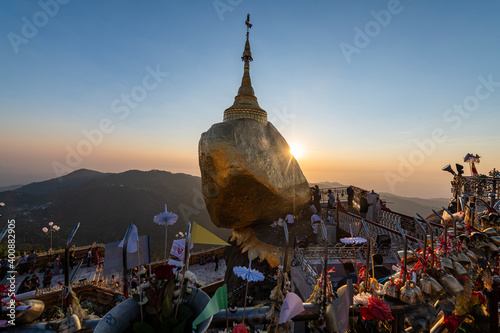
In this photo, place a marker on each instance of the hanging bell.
(492, 247)
(410, 257)
(491, 232)
(374, 285)
(446, 262)
(495, 240)
(436, 287)
(464, 238)
(463, 258)
(451, 284)
(425, 284)
(477, 237)
(391, 289)
(459, 269)
(472, 255)
(411, 294)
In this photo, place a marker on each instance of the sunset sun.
(296, 150)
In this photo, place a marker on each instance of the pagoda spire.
(245, 103)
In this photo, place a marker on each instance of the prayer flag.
(132, 240)
(217, 303)
(292, 306)
(179, 248)
(200, 235)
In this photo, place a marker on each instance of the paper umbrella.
(165, 218)
(248, 274)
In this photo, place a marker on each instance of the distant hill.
(106, 204)
(411, 206)
(74, 178)
(9, 188)
(328, 184)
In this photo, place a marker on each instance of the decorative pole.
(431, 232)
(367, 264)
(405, 251)
(67, 296)
(325, 269)
(285, 263)
(52, 229)
(186, 264)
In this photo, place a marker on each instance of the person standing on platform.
(47, 277)
(380, 270)
(23, 264)
(57, 265)
(32, 261)
(350, 274)
(363, 205)
(372, 199)
(317, 198)
(315, 224)
(378, 209)
(216, 262)
(89, 257)
(331, 200)
(350, 196)
(34, 282)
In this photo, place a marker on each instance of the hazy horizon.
(380, 94)
(317, 182)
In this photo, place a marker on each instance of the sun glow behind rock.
(296, 150)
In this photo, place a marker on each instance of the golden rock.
(248, 174)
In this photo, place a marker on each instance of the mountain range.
(106, 203)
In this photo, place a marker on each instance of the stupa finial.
(249, 25)
(245, 103)
(247, 54)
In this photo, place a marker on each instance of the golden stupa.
(245, 104)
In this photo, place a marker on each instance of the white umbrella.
(248, 274)
(165, 218)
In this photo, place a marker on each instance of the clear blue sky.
(358, 114)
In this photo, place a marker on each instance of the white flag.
(132, 240)
(292, 306)
(178, 248)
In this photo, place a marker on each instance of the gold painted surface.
(246, 238)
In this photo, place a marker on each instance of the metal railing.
(309, 271)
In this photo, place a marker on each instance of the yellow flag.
(201, 235)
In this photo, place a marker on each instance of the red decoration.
(240, 328)
(453, 322)
(164, 271)
(376, 309)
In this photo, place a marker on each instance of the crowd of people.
(370, 205)
(55, 266)
(366, 205)
(211, 258)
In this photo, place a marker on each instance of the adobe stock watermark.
(364, 36)
(121, 107)
(453, 116)
(223, 6)
(281, 118)
(29, 29)
(197, 205)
